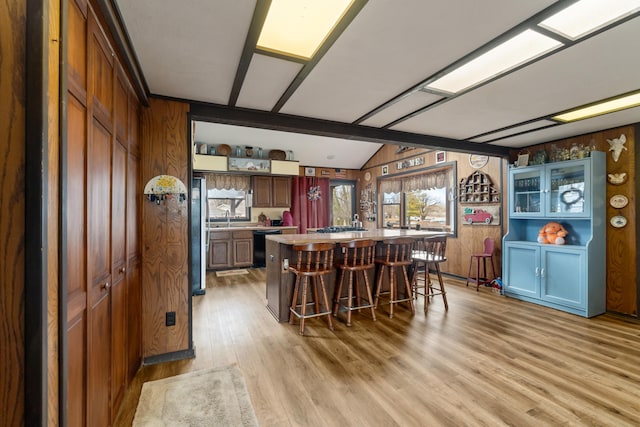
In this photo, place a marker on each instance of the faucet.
(226, 215)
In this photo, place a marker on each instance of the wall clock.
(477, 161)
(367, 176)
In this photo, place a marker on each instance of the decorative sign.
(410, 163)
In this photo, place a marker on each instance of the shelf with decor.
(478, 188)
(554, 249)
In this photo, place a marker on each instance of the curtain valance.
(228, 182)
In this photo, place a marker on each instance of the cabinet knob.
(123, 270)
(537, 271)
(542, 272)
(105, 286)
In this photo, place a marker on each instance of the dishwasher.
(259, 246)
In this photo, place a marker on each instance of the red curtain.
(310, 204)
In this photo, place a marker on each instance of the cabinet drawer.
(243, 234)
(220, 235)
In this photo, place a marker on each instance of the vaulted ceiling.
(365, 86)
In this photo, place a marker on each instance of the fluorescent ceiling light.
(586, 16)
(516, 51)
(617, 104)
(299, 27)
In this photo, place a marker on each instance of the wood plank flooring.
(488, 361)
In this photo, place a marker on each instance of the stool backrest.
(314, 256)
(397, 250)
(488, 246)
(358, 253)
(436, 247)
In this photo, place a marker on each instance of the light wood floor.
(488, 361)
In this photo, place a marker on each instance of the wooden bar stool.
(315, 260)
(486, 254)
(396, 256)
(358, 258)
(427, 256)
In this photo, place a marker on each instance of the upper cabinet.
(561, 190)
(271, 191)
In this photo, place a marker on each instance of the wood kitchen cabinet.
(242, 248)
(230, 249)
(271, 191)
(220, 252)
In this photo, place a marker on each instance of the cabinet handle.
(537, 271)
(123, 270)
(105, 286)
(542, 272)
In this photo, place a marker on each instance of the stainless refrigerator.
(199, 235)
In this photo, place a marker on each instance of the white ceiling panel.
(309, 150)
(188, 51)
(608, 121)
(266, 81)
(568, 79)
(390, 47)
(406, 105)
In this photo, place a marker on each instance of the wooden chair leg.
(379, 286)
(444, 293)
(350, 298)
(294, 300)
(392, 293)
(326, 302)
(408, 288)
(338, 294)
(368, 290)
(303, 308)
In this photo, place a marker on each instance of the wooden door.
(99, 249)
(99, 266)
(281, 193)
(262, 191)
(119, 287)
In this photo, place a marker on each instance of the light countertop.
(375, 234)
(238, 227)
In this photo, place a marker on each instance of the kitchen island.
(280, 253)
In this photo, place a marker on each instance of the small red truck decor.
(472, 215)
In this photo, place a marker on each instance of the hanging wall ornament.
(314, 193)
(616, 145)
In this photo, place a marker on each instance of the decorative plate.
(224, 150)
(618, 201)
(277, 155)
(618, 221)
(477, 161)
(367, 176)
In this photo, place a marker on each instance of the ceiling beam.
(287, 123)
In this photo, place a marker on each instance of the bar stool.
(315, 260)
(358, 258)
(486, 254)
(396, 255)
(428, 254)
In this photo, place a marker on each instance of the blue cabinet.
(569, 277)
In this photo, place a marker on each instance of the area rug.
(227, 273)
(210, 397)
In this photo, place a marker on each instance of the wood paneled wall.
(622, 292)
(12, 211)
(165, 231)
(469, 237)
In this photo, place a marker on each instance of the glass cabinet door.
(567, 188)
(527, 195)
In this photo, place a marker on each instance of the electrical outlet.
(170, 318)
(285, 264)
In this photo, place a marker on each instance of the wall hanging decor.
(162, 187)
(616, 146)
(478, 188)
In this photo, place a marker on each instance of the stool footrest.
(308, 315)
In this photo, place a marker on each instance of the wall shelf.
(478, 188)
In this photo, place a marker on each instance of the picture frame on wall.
(441, 156)
(309, 171)
(385, 170)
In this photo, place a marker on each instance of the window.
(342, 202)
(227, 197)
(423, 198)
